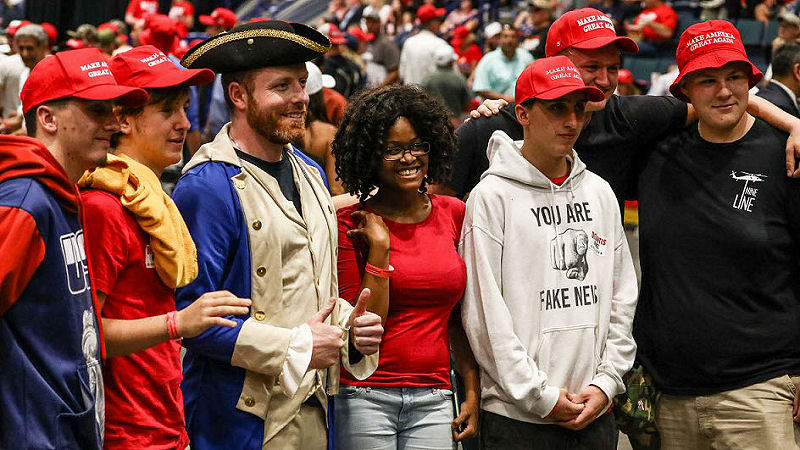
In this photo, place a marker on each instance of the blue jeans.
(368, 418)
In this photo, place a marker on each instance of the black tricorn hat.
(253, 45)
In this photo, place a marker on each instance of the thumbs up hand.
(327, 338)
(365, 327)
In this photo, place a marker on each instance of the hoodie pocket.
(568, 356)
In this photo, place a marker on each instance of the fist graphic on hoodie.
(568, 252)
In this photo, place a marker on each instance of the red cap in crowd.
(710, 45)
(624, 76)
(359, 34)
(585, 29)
(333, 33)
(552, 78)
(160, 32)
(81, 74)
(428, 12)
(15, 25)
(108, 26)
(221, 17)
(148, 67)
(52, 33)
(75, 44)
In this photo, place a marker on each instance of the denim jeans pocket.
(442, 393)
(351, 391)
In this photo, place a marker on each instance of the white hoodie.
(551, 290)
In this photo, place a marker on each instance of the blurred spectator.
(161, 32)
(660, 83)
(784, 87)
(106, 42)
(614, 9)
(138, 10)
(335, 103)
(382, 56)
(379, 9)
(653, 27)
(467, 52)
(221, 19)
(320, 132)
(625, 84)
(714, 9)
(182, 12)
(30, 42)
(497, 72)
(11, 10)
(86, 33)
(492, 34)
(347, 73)
(788, 30)
(336, 10)
(353, 14)
(32, 45)
(465, 15)
(533, 24)
(416, 58)
(766, 10)
(448, 85)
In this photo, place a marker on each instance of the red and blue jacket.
(51, 385)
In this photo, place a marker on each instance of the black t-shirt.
(719, 307)
(609, 144)
(283, 174)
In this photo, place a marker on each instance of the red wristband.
(172, 326)
(378, 272)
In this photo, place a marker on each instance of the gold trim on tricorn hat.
(254, 45)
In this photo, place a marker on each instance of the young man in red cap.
(51, 385)
(140, 251)
(620, 127)
(416, 57)
(554, 340)
(717, 324)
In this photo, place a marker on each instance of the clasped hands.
(365, 332)
(576, 411)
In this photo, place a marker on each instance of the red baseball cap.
(710, 45)
(428, 12)
(359, 34)
(333, 33)
(148, 67)
(160, 32)
(552, 78)
(624, 76)
(52, 33)
(75, 44)
(15, 25)
(221, 17)
(585, 29)
(80, 73)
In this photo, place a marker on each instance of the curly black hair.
(361, 137)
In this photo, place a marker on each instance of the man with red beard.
(265, 229)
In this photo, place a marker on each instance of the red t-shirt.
(662, 14)
(178, 11)
(142, 8)
(428, 280)
(144, 405)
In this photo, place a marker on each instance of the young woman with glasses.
(401, 242)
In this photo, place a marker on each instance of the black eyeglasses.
(396, 152)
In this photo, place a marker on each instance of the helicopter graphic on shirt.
(744, 200)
